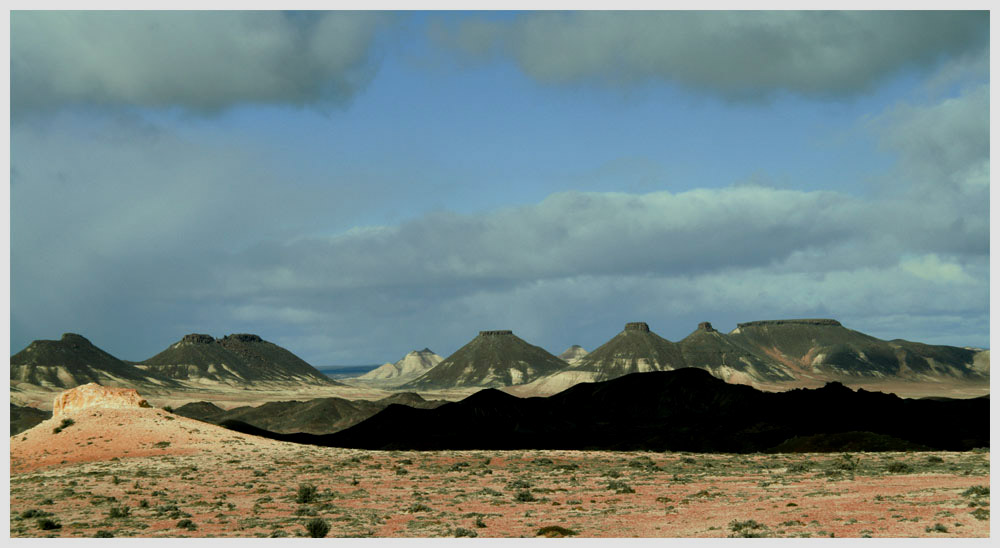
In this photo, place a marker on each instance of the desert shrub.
(186, 524)
(458, 466)
(982, 514)
(463, 532)
(643, 462)
(306, 493)
(554, 531)
(799, 467)
(47, 524)
(171, 511)
(34, 513)
(317, 528)
(747, 529)
(519, 484)
(937, 528)
(897, 467)
(482, 524)
(279, 533)
(420, 507)
(400, 471)
(118, 512)
(305, 511)
(524, 496)
(977, 491)
(103, 533)
(62, 425)
(161, 444)
(168, 409)
(847, 462)
(620, 487)
(143, 503)
(934, 459)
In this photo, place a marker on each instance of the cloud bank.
(200, 61)
(738, 55)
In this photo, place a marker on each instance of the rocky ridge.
(240, 359)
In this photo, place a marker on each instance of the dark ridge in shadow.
(683, 410)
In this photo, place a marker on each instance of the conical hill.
(239, 359)
(635, 350)
(73, 360)
(492, 359)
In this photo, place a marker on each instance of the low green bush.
(317, 528)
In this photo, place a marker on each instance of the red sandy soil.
(161, 469)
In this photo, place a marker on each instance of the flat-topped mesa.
(706, 326)
(95, 395)
(74, 338)
(637, 326)
(243, 337)
(496, 333)
(198, 338)
(805, 321)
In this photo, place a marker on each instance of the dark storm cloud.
(741, 55)
(202, 61)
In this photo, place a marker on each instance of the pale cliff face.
(95, 395)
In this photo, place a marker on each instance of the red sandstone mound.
(97, 423)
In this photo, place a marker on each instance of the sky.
(356, 185)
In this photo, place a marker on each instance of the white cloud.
(931, 267)
(743, 55)
(201, 61)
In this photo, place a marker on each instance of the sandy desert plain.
(145, 472)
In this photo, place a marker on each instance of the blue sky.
(353, 186)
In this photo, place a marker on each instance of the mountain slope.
(72, 361)
(317, 416)
(726, 359)
(23, 418)
(492, 359)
